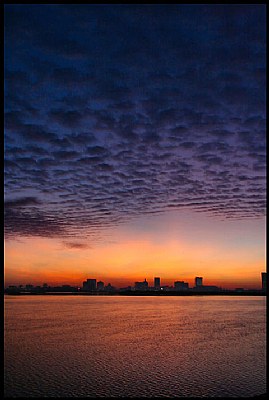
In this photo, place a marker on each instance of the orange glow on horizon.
(123, 263)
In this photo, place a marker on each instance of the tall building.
(89, 284)
(264, 278)
(157, 283)
(198, 281)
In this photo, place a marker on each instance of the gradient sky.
(135, 143)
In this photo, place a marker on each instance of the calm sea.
(113, 346)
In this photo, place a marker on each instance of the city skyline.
(158, 283)
(134, 142)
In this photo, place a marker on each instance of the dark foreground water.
(97, 346)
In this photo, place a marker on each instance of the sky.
(134, 143)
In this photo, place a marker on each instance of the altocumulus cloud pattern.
(116, 111)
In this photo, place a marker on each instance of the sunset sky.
(135, 143)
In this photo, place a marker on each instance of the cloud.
(36, 133)
(132, 112)
(66, 118)
(75, 245)
(65, 154)
(31, 223)
(22, 202)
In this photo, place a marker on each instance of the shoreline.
(138, 293)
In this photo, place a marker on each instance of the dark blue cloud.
(117, 111)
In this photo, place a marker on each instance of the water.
(102, 346)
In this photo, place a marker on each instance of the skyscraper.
(157, 283)
(264, 278)
(90, 284)
(198, 281)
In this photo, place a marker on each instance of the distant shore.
(142, 293)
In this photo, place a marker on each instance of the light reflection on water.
(120, 346)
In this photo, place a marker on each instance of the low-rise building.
(181, 285)
(100, 285)
(141, 285)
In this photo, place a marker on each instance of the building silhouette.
(141, 285)
(29, 286)
(100, 285)
(181, 285)
(109, 288)
(89, 284)
(208, 288)
(157, 283)
(264, 279)
(198, 281)
(93, 287)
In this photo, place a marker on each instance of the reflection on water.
(95, 346)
